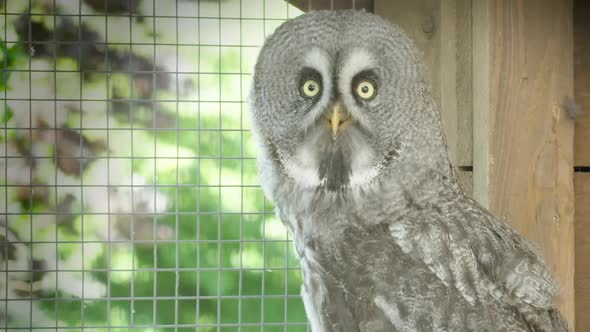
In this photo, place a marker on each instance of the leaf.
(12, 55)
(8, 59)
(2, 48)
(8, 114)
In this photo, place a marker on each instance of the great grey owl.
(353, 154)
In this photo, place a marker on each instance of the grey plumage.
(387, 238)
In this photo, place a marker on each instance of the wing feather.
(475, 253)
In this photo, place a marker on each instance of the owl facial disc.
(335, 150)
(334, 108)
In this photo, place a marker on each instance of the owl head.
(340, 100)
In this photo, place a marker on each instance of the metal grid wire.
(129, 191)
(129, 187)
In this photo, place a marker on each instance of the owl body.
(353, 155)
(366, 265)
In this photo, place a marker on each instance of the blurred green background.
(129, 169)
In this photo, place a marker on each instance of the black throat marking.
(334, 169)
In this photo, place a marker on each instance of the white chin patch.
(303, 167)
(363, 169)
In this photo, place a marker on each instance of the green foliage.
(228, 259)
(8, 58)
(8, 114)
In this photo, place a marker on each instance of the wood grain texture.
(466, 179)
(529, 135)
(455, 77)
(481, 63)
(442, 31)
(307, 5)
(582, 248)
(582, 158)
(464, 78)
(582, 82)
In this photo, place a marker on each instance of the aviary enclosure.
(129, 193)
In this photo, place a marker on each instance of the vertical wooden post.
(482, 43)
(582, 247)
(582, 163)
(582, 82)
(523, 151)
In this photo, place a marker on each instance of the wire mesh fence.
(129, 190)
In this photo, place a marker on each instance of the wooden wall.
(582, 163)
(524, 132)
(500, 71)
(582, 249)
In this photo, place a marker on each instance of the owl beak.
(338, 118)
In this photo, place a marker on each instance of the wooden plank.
(447, 68)
(582, 249)
(582, 81)
(466, 179)
(442, 31)
(482, 35)
(455, 77)
(307, 5)
(525, 137)
(464, 88)
(582, 158)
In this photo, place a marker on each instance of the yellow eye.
(366, 90)
(310, 88)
